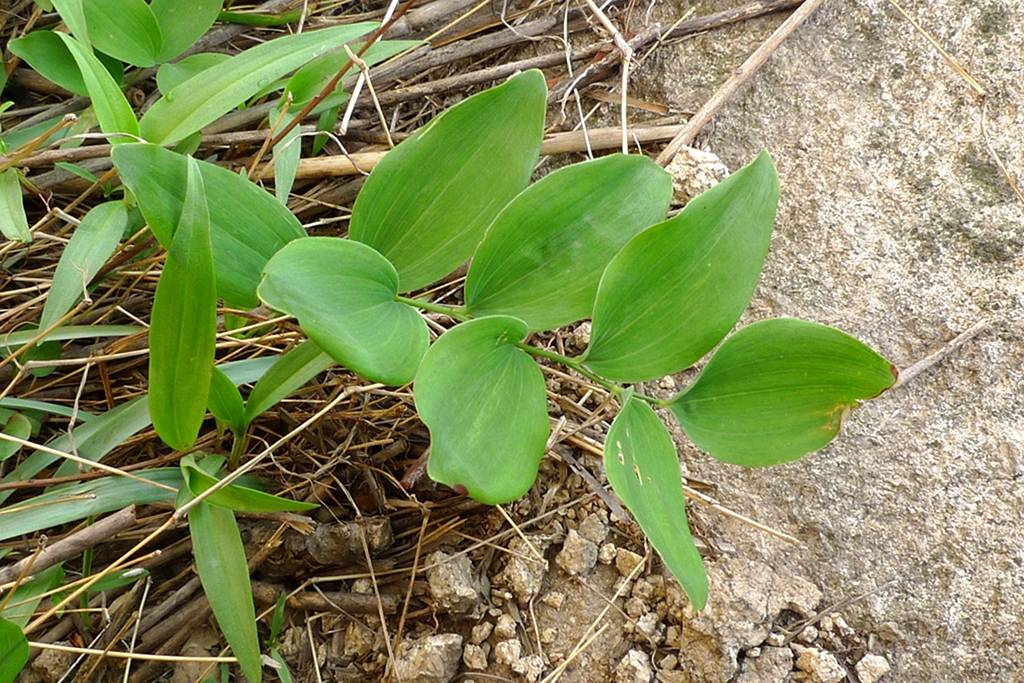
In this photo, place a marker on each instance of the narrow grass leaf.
(209, 95)
(426, 205)
(307, 82)
(93, 242)
(182, 24)
(13, 340)
(779, 389)
(112, 109)
(643, 468)
(226, 402)
(224, 574)
(287, 155)
(485, 403)
(236, 497)
(170, 76)
(45, 407)
(73, 14)
(290, 371)
(125, 29)
(247, 225)
(13, 223)
(29, 594)
(18, 426)
(678, 287)
(183, 328)
(13, 651)
(343, 295)
(543, 256)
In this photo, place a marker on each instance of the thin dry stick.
(934, 359)
(627, 56)
(130, 655)
(754, 62)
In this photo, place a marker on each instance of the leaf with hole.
(779, 389)
(210, 94)
(183, 328)
(182, 24)
(247, 225)
(343, 295)
(678, 287)
(112, 109)
(564, 229)
(643, 468)
(485, 403)
(426, 205)
(13, 650)
(13, 222)
(93, 242)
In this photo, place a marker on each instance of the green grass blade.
(13, 651)
(291, 370)
(112, 109)
(235, 497)
(13, 222)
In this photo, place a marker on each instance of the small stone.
(506, 627)
(649, 625)
(626, 561)
(474, 657)
(649, 588)
(822, 666)
(890, 632)
(635, 667)
(754, 652)
(481, 632)
(826, 623)
(548, 635)
(554, 599)
(871, 668)
(694, 171)
(808, 635)
(635, 607)
(452, 586)
(774, 665)
(578, 555)
(508, 652)
(842, 626)
(530, 667)
(606, 555)
(524, 573)
(668, 662)
(594, 528)
(775, 640)
(431, 659)
(358, 641)
(364, 586)
(580, 337)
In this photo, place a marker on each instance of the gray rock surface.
(431, 659)
(578, 554)
(895, 225)
(773, 665)
(452, 586)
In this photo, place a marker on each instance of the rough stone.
(52, 665)
(871, 668)
(474, 657)
(578, 554)
(635, 667)
(606, 555)
(508, 652)
(431, 659)
(530, 667)
(626, 561)
(822, 666)
(359, 640)
(773, 665)
(594, 527)
(524, 574)
(505, 628)
(451, 582)
(481, 632)
(694, 171)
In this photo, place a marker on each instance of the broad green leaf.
(125, 29)
(18, 426)
(226, 402)
(287, 155)
(66, 333)
(426, 205)
(94, 439)
(112, 109)
(485, 403)
(678, 287)
(28, 595)
(183, 328)
(170, 76)
(47, 54)
(93, 242)
(73, 14)
(214, 92)
(13, 650)
(543, 256)
(182, 24)
(643, 469)
(247, 225)
(291, 370)
(224, 574)
(71, 503)
(235, 497)
(13, 223)
(343, 295)
(779, 389)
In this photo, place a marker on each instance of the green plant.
(589, 240)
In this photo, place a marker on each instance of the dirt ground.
(896, 226)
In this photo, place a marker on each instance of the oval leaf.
(485, 403)
(247, 225)
(427, 203)
(13, 650)
(643, 469)
(544, 254)
(224, 574)
(112, 109)
(182, 24)
(778, 389)
(13, 222)
(92, 243)
(209, 95)
(677, 288)
(183, 328)
(289, 372)
(125, 29)
(47, 54)
(343, 295)
(225, 402)
(18, 426)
